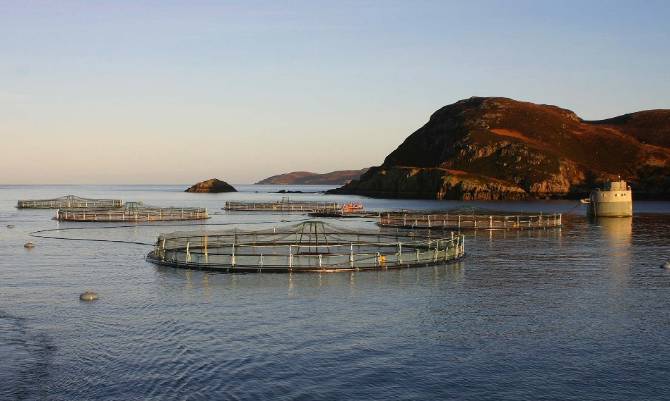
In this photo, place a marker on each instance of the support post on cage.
(188, 252)
(205, 248)
(351, 255)
(399, 252)
(232, 256)
(290, 258)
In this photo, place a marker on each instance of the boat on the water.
(615, 199)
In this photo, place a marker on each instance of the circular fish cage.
(461, 221)
(284, 206)
(313, 246)
(132, 212)
(69, 201)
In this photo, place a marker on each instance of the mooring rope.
(36, 234)
(39, 233)
(579, 203)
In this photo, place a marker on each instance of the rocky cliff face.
(499, 148)
(211, 186)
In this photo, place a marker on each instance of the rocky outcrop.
(499, 148)
(306, 178)
(428, 183)
(212, 186)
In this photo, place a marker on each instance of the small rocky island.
(212, 186)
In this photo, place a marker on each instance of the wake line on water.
(27, 361)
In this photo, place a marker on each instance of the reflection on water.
(209, 283)
(492, 235)
(205, 286)
(618, 230)
(617, 233)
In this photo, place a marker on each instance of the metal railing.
(134, 214)
(284, 206)
(470, 221)
(69, 201)
(303, 251)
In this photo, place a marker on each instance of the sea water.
(577, 313)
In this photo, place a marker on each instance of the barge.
(615, 199)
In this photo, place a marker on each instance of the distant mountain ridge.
(490, 148)
(339, 177)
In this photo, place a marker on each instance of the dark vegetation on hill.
(499, 148)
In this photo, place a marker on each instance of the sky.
(172, 92)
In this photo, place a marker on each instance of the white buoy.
(665, 265)
(29, 245)
(88, 296)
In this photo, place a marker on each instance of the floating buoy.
(665, 265)
(10, 225)
(88, 296)
(28, 245)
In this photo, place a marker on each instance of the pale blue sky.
(179, 91)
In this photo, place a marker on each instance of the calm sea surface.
(580, 313)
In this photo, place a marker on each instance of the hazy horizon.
(186, 184)
(165, 92)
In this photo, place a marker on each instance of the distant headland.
(339, 177)
(493, 148)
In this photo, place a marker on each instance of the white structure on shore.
(614, 200)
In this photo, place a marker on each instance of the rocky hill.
(213, 186)
(499, 148)
(306, 178)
